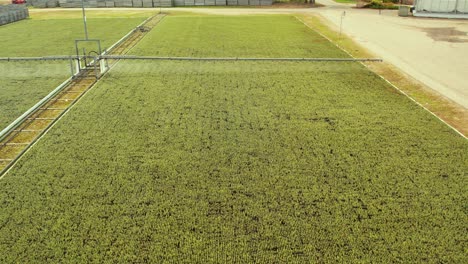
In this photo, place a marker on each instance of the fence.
(12, 13)
(146, 3)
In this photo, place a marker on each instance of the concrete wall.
(145, 3)
(12, 13)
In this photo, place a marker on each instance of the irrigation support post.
(95, 62)
(71, 67)
(103, 65)
(84, 20)
(84, 59)
(77, 65)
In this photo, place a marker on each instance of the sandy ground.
(433, 51)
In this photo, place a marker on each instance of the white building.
(441, 8)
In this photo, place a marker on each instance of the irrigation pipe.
(383, 78)
(46, 58)
(132, 57)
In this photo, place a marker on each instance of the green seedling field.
(239, 162)
(235, 36)
(47, 37)
(22, 84)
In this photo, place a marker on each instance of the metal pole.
(77, 65)
(71, 67)
(95, 68)
(341, 22)
(84, 20)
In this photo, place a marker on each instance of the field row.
(217, 162)
(239, 162)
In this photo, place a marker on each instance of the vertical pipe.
(77, 64)
(341, 22)
(71, 67)
(95, 68)
(84, 58)
(76, 48)
(102, 64)
(84, 20)
(99, 45)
